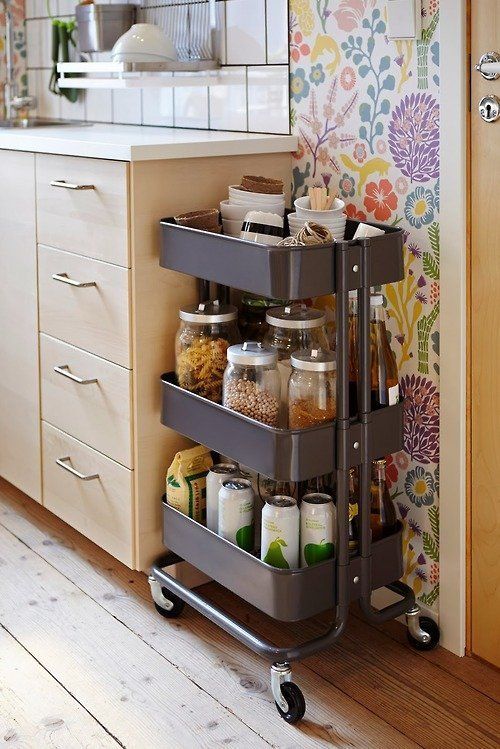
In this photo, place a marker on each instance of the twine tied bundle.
(310, 234)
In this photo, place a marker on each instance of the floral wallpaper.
(17, 7)
(366, 111)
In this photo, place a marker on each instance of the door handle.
(63, 369)
(70, 185)
(64, 278)
(63, 463)
(489, 66)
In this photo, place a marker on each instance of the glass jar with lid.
(252, 383)
(291, 328)
(205, 333)
(252, 320)
(312, 388)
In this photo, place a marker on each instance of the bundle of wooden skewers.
(321, 199)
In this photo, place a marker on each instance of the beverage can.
(317, 528)
(215, 478)
(236, 512)
(280, 532)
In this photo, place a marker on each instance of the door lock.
(489, 108)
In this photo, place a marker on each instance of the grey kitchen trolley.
(291, 455)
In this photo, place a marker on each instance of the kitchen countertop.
(139, 143)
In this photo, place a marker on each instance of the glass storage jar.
(312, 388)
(205, 333)
(291, 328)
(252, 383)
(252, 320)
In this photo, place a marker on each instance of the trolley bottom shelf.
(286, 595)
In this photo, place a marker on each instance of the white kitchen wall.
(254, 95)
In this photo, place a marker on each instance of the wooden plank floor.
(85, 661)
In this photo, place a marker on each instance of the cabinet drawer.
(86, 210)
(96, 411)
(85, 302)
(96, 500)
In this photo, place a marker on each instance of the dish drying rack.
(195, 30)
(291, 455)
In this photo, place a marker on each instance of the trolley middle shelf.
(283, 454)
(285, 594)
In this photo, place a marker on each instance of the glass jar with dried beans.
(312, 388)
(252, 383)
(205, 333)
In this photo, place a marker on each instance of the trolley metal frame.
(352, 264)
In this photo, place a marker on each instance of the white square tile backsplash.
(268, 110)
(228, 103)
(127, 106)
(158, 106)
(277, 31)
(246, 32)
(253, 94)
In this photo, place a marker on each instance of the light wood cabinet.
(120, 330)
(87, 396)
(20, 461)
(85, 302)
(89, 491)
(82, 206)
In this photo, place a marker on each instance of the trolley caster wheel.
(166, 603)
(290, 702)
(176, 603)
(423, 633)
(295, 701)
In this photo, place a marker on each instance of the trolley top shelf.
(284, 272)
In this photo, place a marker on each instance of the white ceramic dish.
(303, 208)
(242, 196)
(231, 211)
(340, 221)
(143, 39)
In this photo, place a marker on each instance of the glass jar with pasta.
(205, 333)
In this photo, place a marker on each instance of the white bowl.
(243, 196)
(338, 222)
(231, 227)
(143, 39)
(232, 211)
(303, 208)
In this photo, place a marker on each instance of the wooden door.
(484, 350)
(20, 459)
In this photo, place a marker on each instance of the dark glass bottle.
(384, 370)
(353, 353)
(252, 318)
(383, 519)
(353, 513)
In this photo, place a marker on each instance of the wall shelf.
(141, 74)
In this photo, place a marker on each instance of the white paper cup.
(262, 227)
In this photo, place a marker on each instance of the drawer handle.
(70, 185)
(63, 463)
(63, 369)
(64, 278)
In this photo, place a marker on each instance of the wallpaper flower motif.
(368, 122)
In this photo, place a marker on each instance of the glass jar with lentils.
(252, 383)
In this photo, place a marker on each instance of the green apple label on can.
(317, 529)
(314, 553)
(245, 537)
